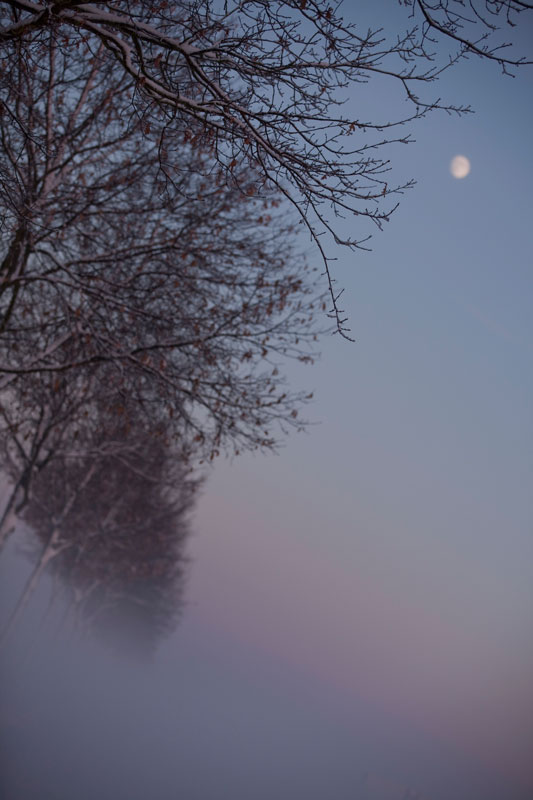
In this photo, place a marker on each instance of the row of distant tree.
(152, 282)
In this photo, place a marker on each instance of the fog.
(210, 716)
(349, 617)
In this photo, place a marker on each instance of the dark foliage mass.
(115, 519)
(152, 282)
(109, 516)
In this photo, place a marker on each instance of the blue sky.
(387, 555)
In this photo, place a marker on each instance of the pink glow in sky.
(435, 660)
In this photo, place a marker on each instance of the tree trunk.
(8, 519)
(52, 548)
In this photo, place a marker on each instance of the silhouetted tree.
(185, 293)
(257, 84)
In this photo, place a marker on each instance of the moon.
(460, 166)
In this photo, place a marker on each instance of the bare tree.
(258, 85)
(184, 293)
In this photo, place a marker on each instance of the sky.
(358, 615)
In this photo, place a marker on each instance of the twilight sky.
(359, 608)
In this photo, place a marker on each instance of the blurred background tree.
(109, 516)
